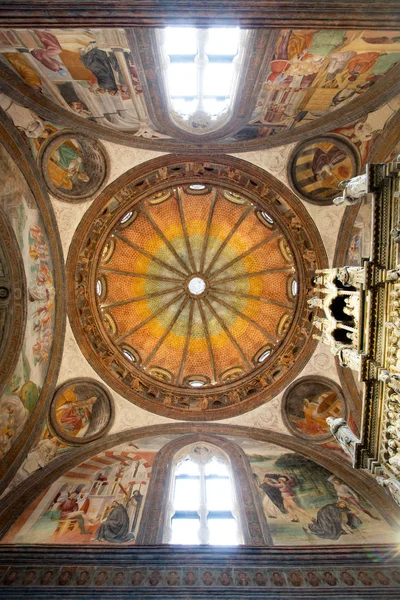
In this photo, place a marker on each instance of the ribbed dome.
(196, 286)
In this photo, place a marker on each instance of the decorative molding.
(94, 158)
(16, 147)
(335, 14)
(310, 379)
(13, 301)
(172, 572)
(152, 177)
(341, 143)
(94, 387)
(384, 89)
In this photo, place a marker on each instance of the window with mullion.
(203, 506)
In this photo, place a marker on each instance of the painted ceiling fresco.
(22, 391)
(101, 501)
(110, 486)
(312, 73)
(80, 71)
(195, 286)
(186, 278)
(105, 77)
(302, 501)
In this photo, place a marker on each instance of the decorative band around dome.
(188, 283)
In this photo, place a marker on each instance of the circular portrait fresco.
(74, 166)
(306, 405)
(81, 411)
(318, 165)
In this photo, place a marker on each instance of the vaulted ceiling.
(168, 256)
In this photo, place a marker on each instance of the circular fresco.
(73, 165)
(189, 287)
(318, 165)
(306, 405)
(81, 411)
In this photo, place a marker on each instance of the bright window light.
(200, 71)
(183, 79)
(185, 531)
(203, 501)
(223, 532)
(180, 40)
(224, 42)
(217, 79)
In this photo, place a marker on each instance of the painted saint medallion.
(307, 404)
(74, 166)
(318, 165)
(81, 411)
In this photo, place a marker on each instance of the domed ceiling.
(190, 297)
(198, 281)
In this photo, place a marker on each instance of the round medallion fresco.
(74, 166)
(188, 286)
(307, 404)
(318, 165)
(81, 411)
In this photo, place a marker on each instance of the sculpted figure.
(392, 486)
(351, 276)
(23, 118)
(394, 461)
(392, 274)
(395, 233)
(391, 379)
(37, 458)
(345, 200)
(343, 434)
(315, 302)
(354, 190)
(348, 357)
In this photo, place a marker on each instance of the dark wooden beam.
(366, 14)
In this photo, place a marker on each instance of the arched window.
(202, 491)
(202, 507)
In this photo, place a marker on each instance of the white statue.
(392, 486)
(393, 430)
(315, 302)
(345, 200)
(355, 188)
(391, 379)
(393, 275)
(395, 233)
(348, 357)
(351, 276)
(394, 462)
(343, 434)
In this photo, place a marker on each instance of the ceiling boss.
(189, 298)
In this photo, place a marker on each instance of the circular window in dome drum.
(74, 166)
(196, 286)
